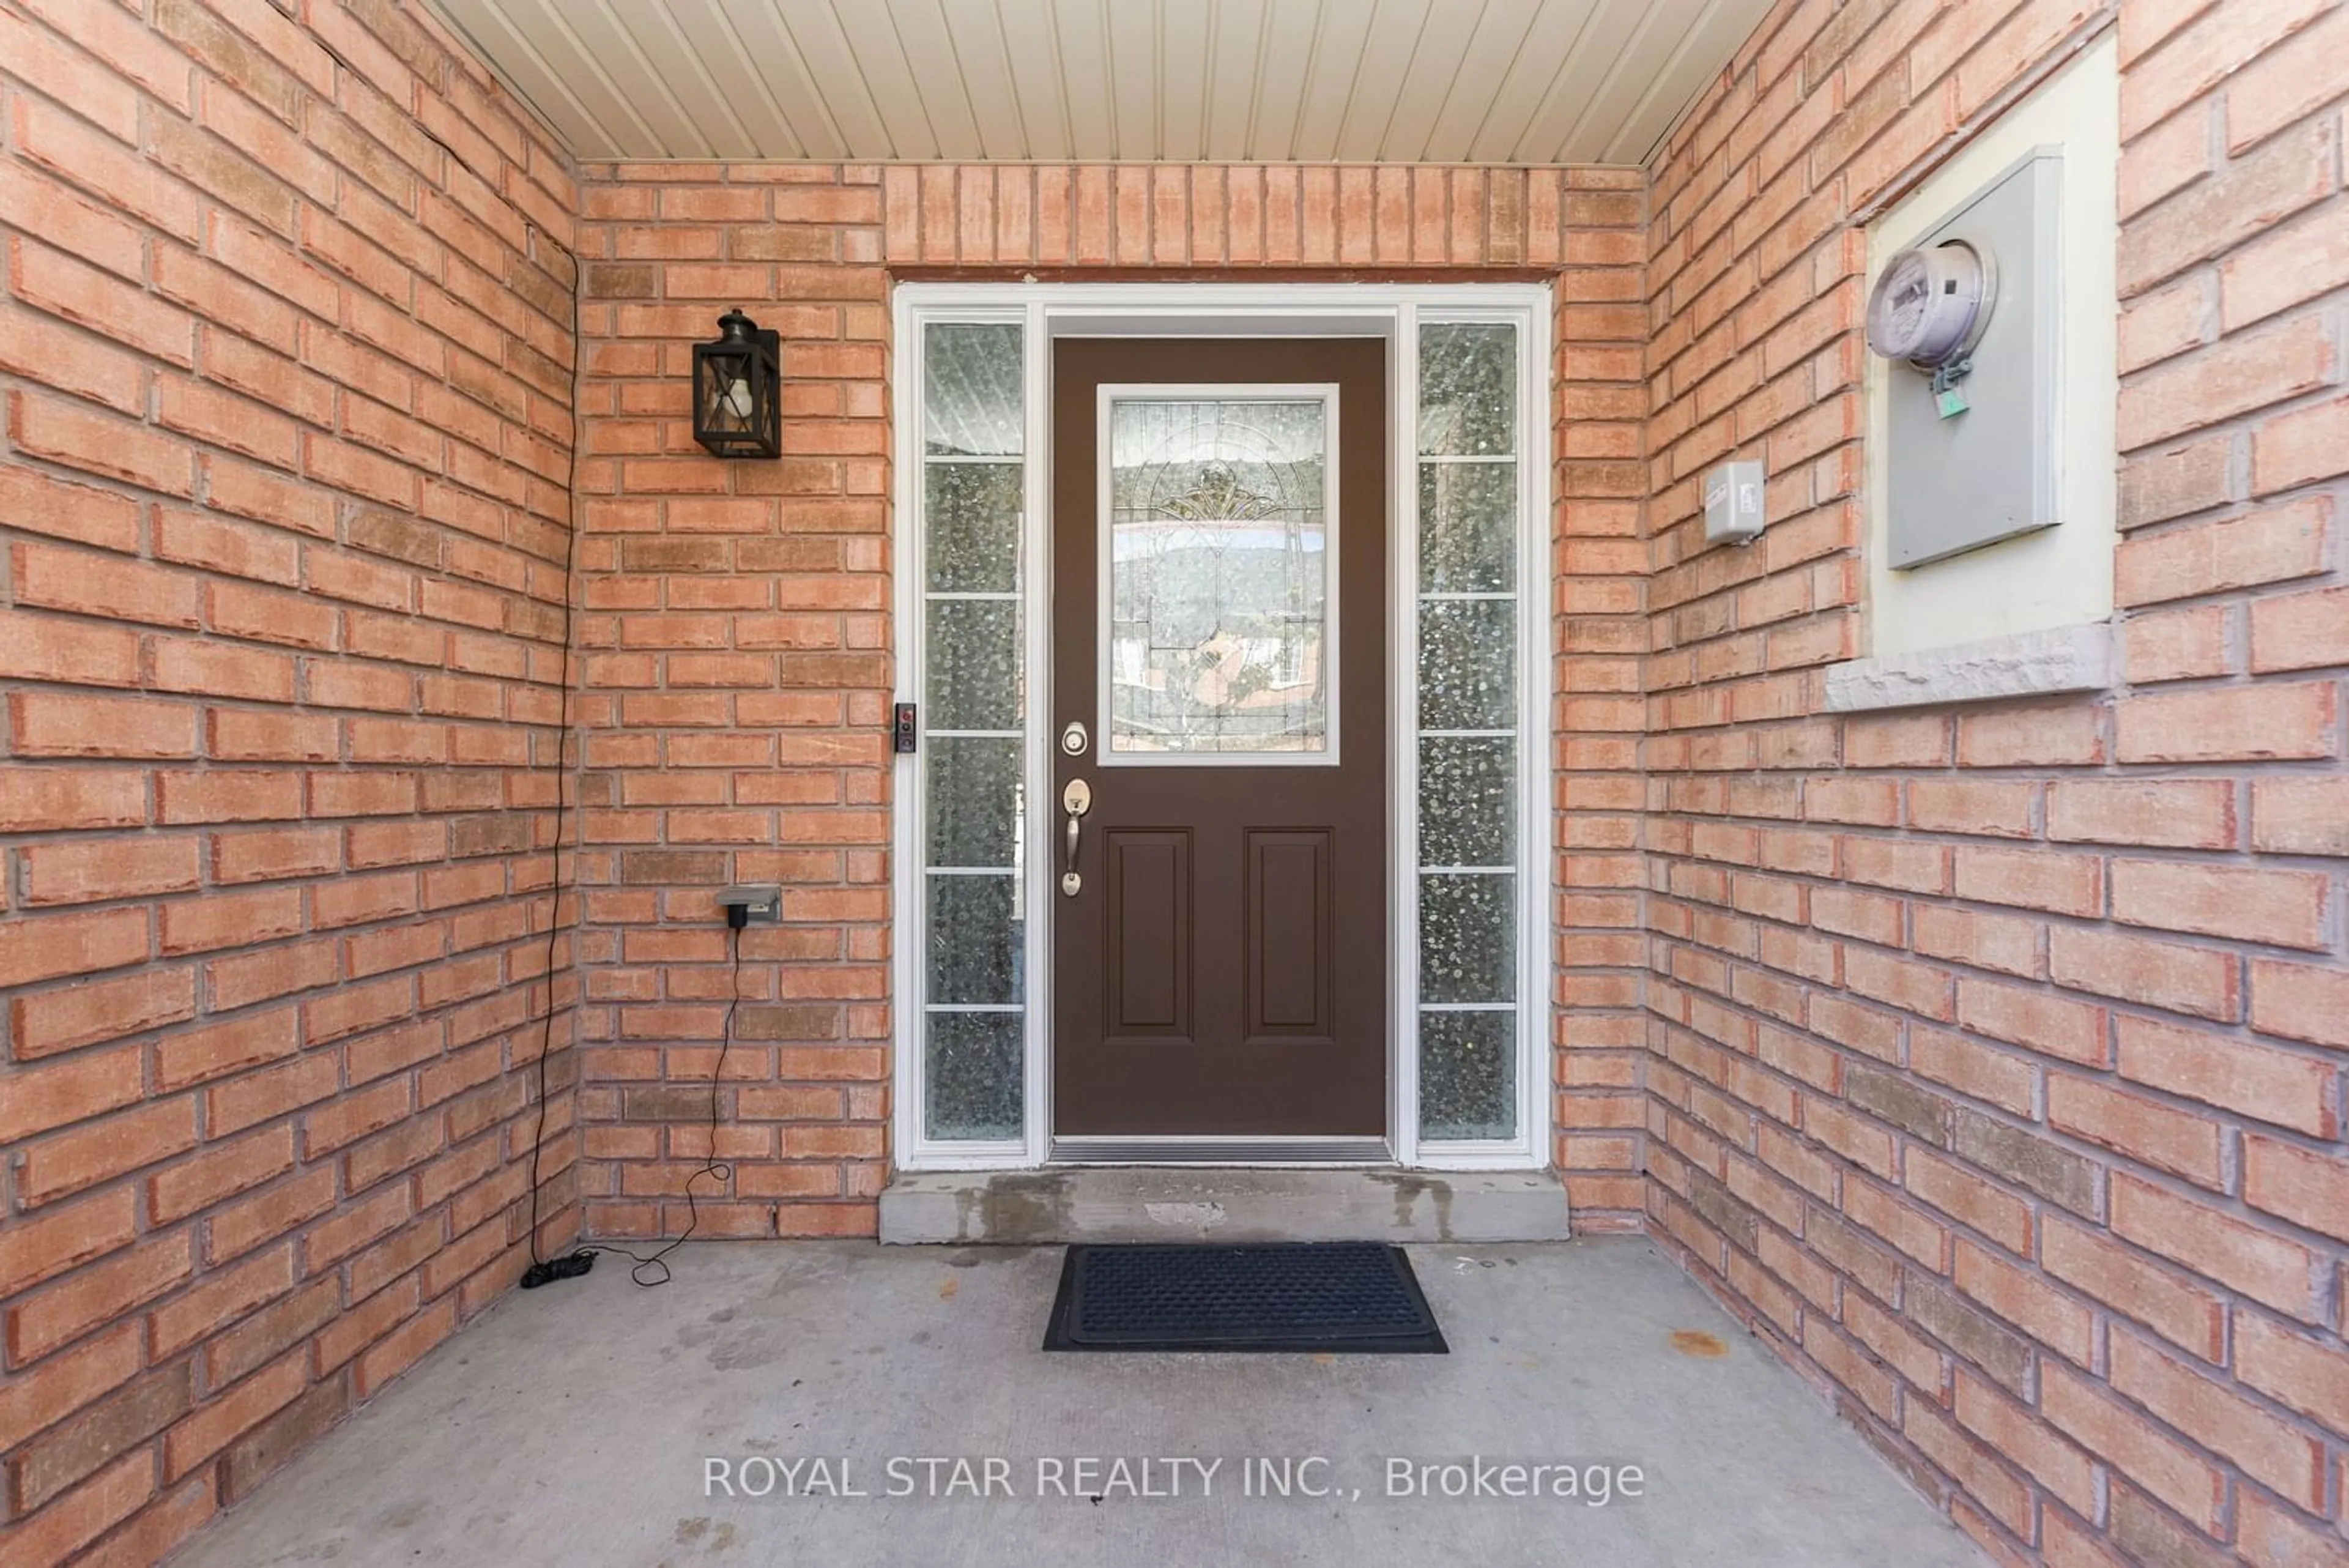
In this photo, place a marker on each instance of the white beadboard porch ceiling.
(1429, 81)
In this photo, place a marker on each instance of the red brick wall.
(1996, 1061)
(285, 362)
(737, 644)
(1989, 1061)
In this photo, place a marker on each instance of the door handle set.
(1076, 800)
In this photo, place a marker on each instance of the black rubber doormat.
(1347, 1297)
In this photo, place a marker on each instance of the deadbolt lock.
(1073, 739)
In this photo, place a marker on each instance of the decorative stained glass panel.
(1219, 546)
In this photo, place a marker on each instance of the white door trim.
(1392, 311)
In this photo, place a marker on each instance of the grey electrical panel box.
(1976, 459)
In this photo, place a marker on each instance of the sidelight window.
(974, 926)
(1467, 606)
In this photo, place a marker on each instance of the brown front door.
(1219, 960)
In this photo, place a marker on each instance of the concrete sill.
(1149, 1203)
(2023, 664)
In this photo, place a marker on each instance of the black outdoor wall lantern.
(738, 392)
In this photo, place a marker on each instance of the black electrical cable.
(543, 1270)
(718, 1170)
(722, 1171)
(540, 1270)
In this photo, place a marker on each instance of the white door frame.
(1391, 311)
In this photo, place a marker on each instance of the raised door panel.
(1148, 985)
(1289, 935)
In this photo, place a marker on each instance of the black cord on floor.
(718, 1170)
(722, 1171)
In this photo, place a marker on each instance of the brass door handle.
(1076, 800)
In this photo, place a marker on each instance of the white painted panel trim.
(1393, 311)
(1043, 885)
(1402, 734)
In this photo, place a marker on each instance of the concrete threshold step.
(1141, 1203)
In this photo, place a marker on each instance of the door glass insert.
(1219, 579)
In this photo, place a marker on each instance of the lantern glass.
(737, 390)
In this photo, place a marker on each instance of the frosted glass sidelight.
(1468, 938)
(1467, 389)
(1467, 800)
(1467, 664)
(973, 932)
(1471, 490)
(974, 801)
(974, 657)
(1467, 528)
(972, 1068)
(1468, 1075)
(973, 390)
(973, 512)
(975, 939)
(1220, 555)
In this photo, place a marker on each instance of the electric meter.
(1930, 303)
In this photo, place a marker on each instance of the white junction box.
(1733, 503)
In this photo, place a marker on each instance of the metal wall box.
(1957, 482)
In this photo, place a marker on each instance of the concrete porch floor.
(571, 1426)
